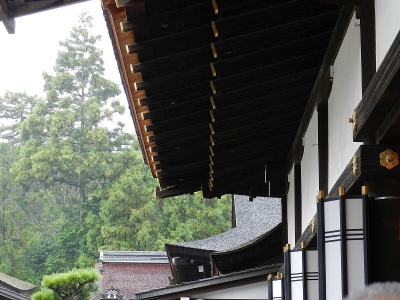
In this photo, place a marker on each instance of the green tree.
(67, 146)
(133, 219)
(78, 284)
(70, 184)
(14, 108)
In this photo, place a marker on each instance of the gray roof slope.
(16, 283)
(253, 218)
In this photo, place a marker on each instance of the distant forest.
(70, 185)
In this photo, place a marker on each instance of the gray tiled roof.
(154, 257)
(252, 220)
(16, 283)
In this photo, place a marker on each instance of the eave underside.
(220, 87)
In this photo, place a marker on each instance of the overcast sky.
(33, 48)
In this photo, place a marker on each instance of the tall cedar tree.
(65, 141)
(70, 186)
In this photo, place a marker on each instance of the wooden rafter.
(223, 88)
(6, 17)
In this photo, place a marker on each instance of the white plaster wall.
(309, 173)
(345, 95)
(387, 22)
(290, 210)
(255, 291)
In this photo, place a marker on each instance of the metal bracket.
(354, 164)
(389, 159)
(354, 120)
(313, 225)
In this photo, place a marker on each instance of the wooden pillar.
(368, 49)
(321, 246)
(323, 145)
(284, 220)
(368, 41)
(297, 201)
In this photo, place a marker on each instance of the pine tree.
(78, 284)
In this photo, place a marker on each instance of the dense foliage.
(71, 185)
(77, 284)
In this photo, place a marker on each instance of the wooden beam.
(240, 151)
(230, 119)
(381, 95)
(123, 3)
(256, 158)
(246, 104)
(322, 80)
(222, 46)
(243, 62)
(388, 131)
(340, 2)
(170, 18)
(235, 95)
(369, 168)
(6, 17)
(242, 79)
(173, 151)
(202, 32)
(239, 181)
(36, 6)
(227, 135)
(220, 169)
(184, 14)
(259, 37)
(368, 41)
(291, 9)
(244, 181)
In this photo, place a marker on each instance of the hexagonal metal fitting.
(389, 159)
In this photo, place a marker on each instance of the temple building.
(288, 99)
(292, 99)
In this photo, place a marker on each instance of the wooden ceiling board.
(218, 91)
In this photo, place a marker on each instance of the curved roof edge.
(12, 295)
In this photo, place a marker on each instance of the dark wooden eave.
(219, 88)
(10, 9)
(7, 17)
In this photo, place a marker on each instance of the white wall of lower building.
(290, 209)
(255, 291)
(309, 173)
(345, 95)
(387, 22)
